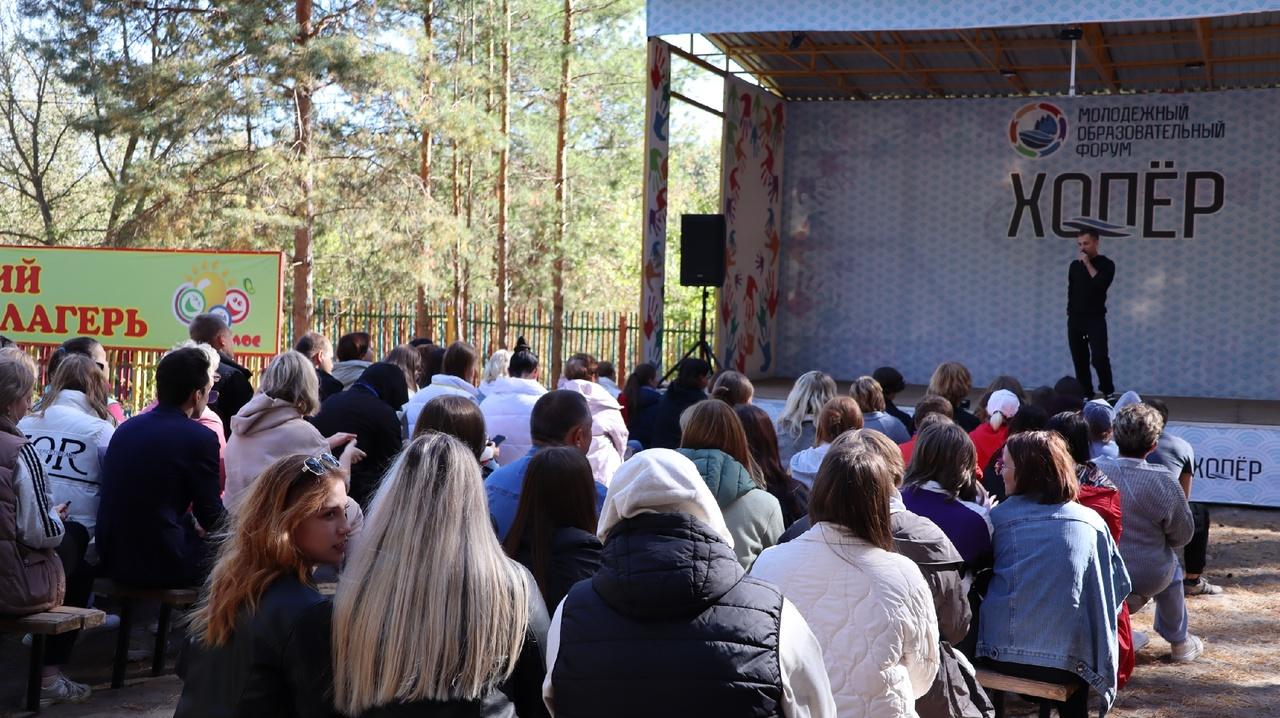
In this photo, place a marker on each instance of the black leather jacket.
(275, 665)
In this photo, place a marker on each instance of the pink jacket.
(608, 430)
(262, 432)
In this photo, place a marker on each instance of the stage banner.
(1234, 463)
(924, 231)
(680, 17)
(138, 299)
(751, 190)
(657, 124)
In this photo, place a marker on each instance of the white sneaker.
(1140, 640)
(64, 690)
(1188, 650)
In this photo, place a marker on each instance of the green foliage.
(178, 125)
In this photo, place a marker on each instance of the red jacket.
(1106, 501)
(988, 441)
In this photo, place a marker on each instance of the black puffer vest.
(669, 626)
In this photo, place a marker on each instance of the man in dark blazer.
(159, 495)
(232, 381)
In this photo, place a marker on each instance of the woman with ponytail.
(733, 389)
(989, 438)
(259, 634)
(838, 415)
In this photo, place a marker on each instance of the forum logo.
(209, 289)
(1037, 130)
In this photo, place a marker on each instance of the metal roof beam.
(911, 77)
(1096, 46)
(905, 51)
(1204, 36)
(1013, 79)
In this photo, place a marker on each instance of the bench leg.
(997, 699)
(122, 644)
(1046, 709)
(35, 672)
(162, 639)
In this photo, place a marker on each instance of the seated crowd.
(503, 549)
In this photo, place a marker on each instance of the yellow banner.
(138, 299)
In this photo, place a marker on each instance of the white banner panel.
(917, 232)
(1235, 463)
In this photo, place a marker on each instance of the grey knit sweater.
(1155, 518)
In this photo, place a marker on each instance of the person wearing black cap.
(891, 382)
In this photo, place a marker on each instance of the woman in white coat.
(508, 404)
(870, 608)
(608, 429)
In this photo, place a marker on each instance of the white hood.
(660, 481)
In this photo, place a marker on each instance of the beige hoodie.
(262, 432)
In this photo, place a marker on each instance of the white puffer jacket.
(441, 385)
(507, 406)
(871, 611)
(71, 440)
(608, 431)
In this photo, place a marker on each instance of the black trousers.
(79, 588)
(1194, 553)
(1087, 337)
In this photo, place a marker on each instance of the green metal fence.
(611, 336)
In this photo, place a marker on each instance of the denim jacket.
(1057, 586)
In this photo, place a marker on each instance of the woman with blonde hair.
(952, 381)
(258, 636)
(838, 415)
(38, 545)
(431, 617)
(712, 437)
(273, 425)
(498, 367)
(797, 424)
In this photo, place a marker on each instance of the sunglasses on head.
(322, 464)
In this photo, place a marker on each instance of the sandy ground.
(1237, 676)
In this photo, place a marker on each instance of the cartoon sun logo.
(210, 289)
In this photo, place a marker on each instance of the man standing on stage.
(1087, 281)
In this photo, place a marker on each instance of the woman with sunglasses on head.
(258, 646)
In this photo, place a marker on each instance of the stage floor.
(1181, 408)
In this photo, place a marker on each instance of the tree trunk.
(562, 207)
(421, 325)
(305, 212)
(504, 157)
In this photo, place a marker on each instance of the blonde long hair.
(77, 372)
(429, 607)
(258, 548)
(811, 391)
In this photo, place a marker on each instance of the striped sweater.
(38, 525)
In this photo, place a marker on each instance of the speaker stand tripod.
(700, 348)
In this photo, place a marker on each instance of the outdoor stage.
(902, 185)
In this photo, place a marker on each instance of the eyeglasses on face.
(322, 464)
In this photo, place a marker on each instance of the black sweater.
(1086, 295)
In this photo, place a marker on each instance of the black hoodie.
(368, 410)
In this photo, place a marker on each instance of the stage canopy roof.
(841, 49)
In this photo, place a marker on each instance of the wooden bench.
(54, 622)
(127, 596)
(997, 684)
